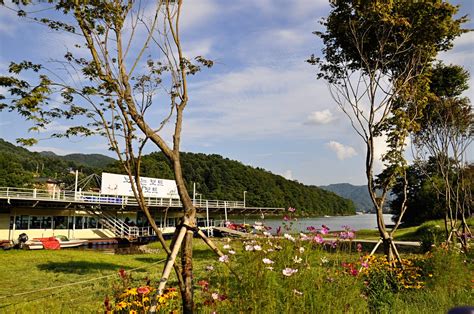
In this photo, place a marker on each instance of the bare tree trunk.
(187, 267)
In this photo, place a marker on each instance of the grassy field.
(322, 279)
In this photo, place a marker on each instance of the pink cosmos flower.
(318, 239)
(291, 209)
(289, 271)
(324, 231)
(286, 218)
(354, 272)
(359, 247)
(224, 259)
(311, 229)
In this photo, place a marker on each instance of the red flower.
(204, 284)
(143, 290)
(122, 273)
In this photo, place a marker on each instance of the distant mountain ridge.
(357, 193)
(91, 160)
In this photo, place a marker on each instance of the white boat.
(62, 241)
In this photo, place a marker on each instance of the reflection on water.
(356, 222)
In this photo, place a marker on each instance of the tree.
(375, 58)
(110, 92)
(422, 201)
(446, 131)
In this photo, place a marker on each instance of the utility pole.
(245, 192)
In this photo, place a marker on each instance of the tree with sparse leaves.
(446, 131)
(374, 59)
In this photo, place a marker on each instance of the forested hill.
(221, 178)
(216, 178)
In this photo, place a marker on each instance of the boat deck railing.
(11, 193)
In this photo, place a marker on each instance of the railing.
(120, 228)
(98, 198)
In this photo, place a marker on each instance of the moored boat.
(54, 243)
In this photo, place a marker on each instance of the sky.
(260, 103)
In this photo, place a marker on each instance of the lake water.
(356, 222)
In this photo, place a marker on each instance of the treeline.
(215, 177)
(21, 168)
(221, 178)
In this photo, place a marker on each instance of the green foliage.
(20, 167)
(220, 178)
(216, 178)
(357, 30)
(431, 234)
(422, 202)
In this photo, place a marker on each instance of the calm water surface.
(356, 222)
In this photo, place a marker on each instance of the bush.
(431, 234)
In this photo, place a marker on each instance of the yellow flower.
(132, 291)
(133, 312)
(121, 305)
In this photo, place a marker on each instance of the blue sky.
(260, 104)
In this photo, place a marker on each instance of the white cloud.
(196, 13)
(320, 117)
(288, 174)
(342, 151)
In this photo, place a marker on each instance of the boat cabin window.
(60, 222)
(21, 222)
(41, 222)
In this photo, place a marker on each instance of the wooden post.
(171, 259)
(225, 210)
(207, 216)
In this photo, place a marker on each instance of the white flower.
(209, 268)
(224, 259)
(289, 237)
(296, 292)
(297, 259)
(226, 247)
(257, 247)
(215, 295)
(304, 237)
(301, 249)
(324, 260)
(289, 271)
(267, 261)
(258, 227)
(269, 267)
(270, 250)
(231, 252)
(249, 247)
(267, 234)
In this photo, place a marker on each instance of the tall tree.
(134, 62)
(375, 57)
(445, 133)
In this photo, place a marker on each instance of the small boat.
(54, 243)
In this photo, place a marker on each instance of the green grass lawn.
(322, 283)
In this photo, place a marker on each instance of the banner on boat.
(118, 184)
